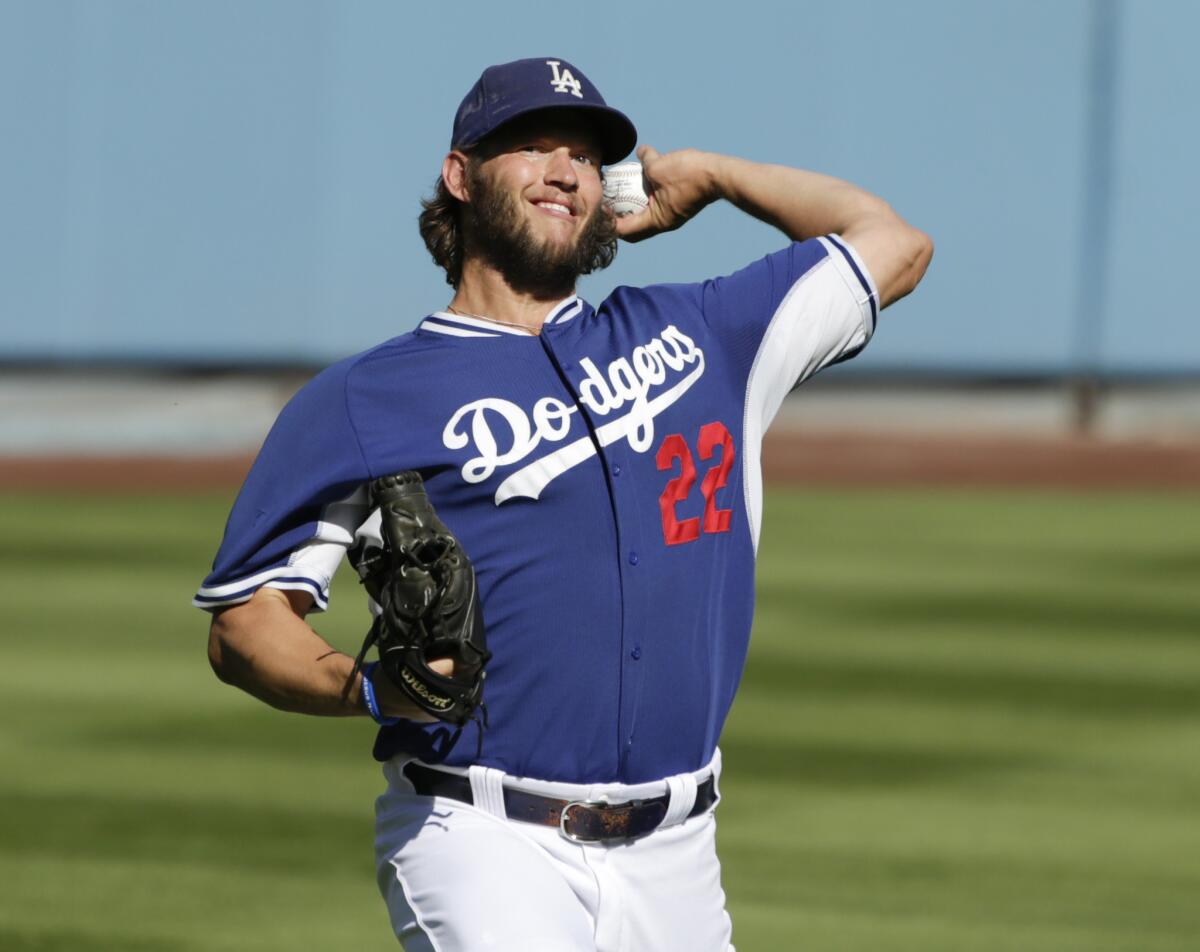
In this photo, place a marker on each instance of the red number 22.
(674, 447)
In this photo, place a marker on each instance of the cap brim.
(617, 134)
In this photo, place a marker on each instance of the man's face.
(535, 209)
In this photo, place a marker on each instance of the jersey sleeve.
(791, 314)
(781, 320)
(300, 506)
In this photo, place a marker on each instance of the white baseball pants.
(458, 877)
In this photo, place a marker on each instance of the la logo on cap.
(564, 82)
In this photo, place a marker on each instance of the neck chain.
(492, 320)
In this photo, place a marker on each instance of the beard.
(498, 233)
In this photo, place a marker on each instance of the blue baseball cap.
(515, 89)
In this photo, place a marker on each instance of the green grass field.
(971, 721)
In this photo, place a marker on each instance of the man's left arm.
(801, 204)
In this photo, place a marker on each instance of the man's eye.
(532, 149)
(584, 159)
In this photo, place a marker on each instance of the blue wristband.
(368, 696)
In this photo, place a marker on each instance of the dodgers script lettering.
(502, 433)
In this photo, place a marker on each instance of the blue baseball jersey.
(604, 478)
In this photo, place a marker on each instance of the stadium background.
(970, 719)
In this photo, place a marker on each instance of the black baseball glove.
(425, 585)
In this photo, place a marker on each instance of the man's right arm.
(265, 647)
(799, 203)
(805, 204)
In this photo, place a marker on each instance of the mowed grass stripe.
(969, 722)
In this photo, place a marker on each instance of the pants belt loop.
(487, 789)
(683, 798)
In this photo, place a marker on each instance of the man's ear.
(454, 175)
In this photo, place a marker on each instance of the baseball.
(624, 190)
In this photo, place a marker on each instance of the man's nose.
(560, 170)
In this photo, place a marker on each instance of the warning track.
(856, 459)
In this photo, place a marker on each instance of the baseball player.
(600, 467)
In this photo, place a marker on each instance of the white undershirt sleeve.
(827, 315)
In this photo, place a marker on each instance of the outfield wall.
(108, 413)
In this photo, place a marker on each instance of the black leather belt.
(585, 821)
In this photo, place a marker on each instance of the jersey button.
(636, 653)
(633, 558)
(616, 469)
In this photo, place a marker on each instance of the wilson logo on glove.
(418, 687)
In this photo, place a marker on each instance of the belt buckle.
(562, 820)
(599, 805)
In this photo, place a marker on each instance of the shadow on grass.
(30, 940)
(1061, 614)
(1063, 695)
(256, 732)
(83, 555)
(219, 834)
(1148, 566)
(823, 765)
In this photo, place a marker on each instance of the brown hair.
(441, 228)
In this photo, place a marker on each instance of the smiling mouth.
(555, 208)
